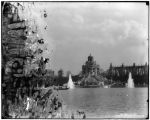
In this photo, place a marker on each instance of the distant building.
(90, 67)
(121, 73)
(49, 72)
(91, 76)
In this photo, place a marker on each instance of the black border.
(146, 2)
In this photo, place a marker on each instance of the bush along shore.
(21, 98)
(45, 103)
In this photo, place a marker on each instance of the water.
(130, 83)
(107, 103)
(70, 83)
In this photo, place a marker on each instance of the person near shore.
(72, 116)
(84, 116)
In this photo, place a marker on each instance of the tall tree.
(60, 73)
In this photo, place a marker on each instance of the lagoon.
(107, 102)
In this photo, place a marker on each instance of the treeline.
(60, 79)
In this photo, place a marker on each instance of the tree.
(22, 49)
(60, 73)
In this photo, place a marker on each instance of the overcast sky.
(112, 32)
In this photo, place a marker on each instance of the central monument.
(91, 76)
(90, 67)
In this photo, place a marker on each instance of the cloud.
(78, 19)
(112, 33)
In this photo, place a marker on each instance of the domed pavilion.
(91, 76)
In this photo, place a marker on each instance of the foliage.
(47, 102)
(16, 88)
(60, 73)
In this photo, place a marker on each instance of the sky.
(111, 32)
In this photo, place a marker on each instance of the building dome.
(90, 58)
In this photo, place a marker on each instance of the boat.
(106, 86)
(63, 88)
(89, 86)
